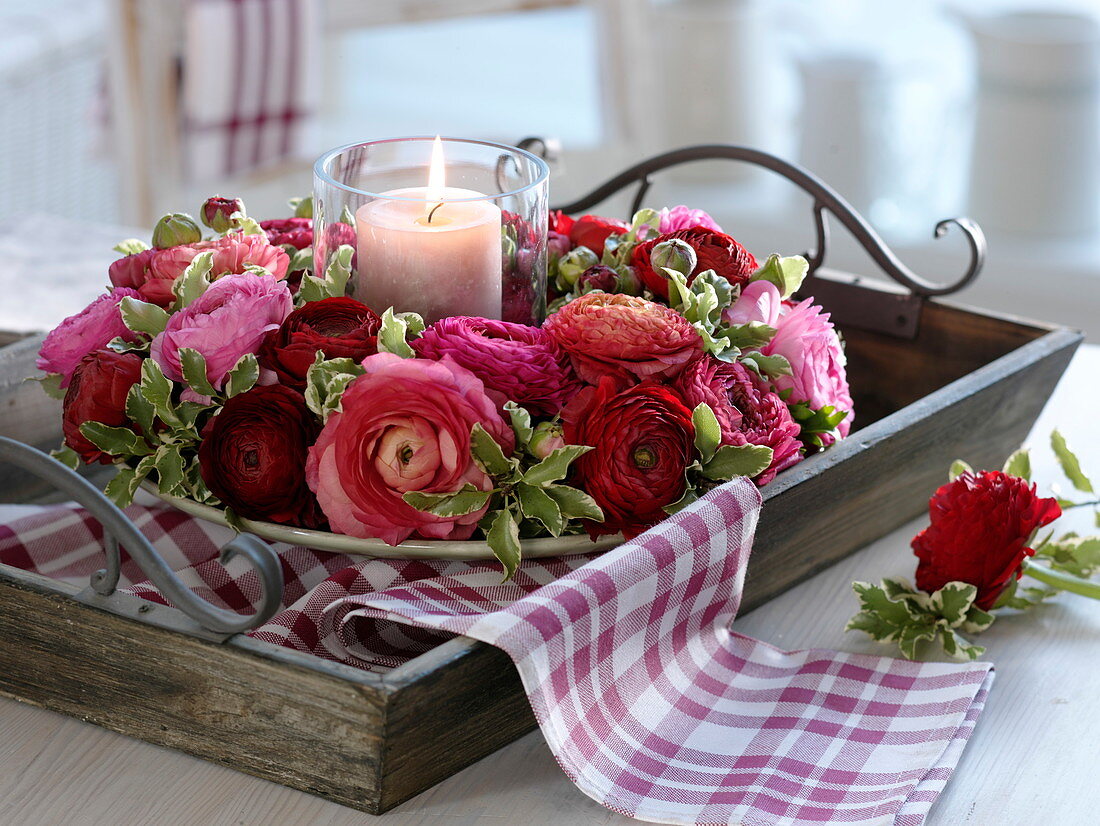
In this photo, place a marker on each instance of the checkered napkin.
(651, 705)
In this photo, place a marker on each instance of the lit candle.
(421, 250)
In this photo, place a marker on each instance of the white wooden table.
(1031, 760)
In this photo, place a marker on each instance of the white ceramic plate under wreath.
(409, 549)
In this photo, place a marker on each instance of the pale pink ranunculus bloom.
(231, 254)
(807, 339)
(403, 426)
(89, 330)
(682, 217)
(226, 322)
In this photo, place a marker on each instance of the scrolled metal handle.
(118, 529)
(826, 199)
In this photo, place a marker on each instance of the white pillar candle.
(428, 251)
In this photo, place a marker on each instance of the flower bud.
(628, 282)
(674, 254)
(175, 229)
(557, 244)
(598, 277)
(217, 211)
(546, 439)
(303, 207)
(574, 263)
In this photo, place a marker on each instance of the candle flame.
(433, 195)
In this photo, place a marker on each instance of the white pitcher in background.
(1035, 156)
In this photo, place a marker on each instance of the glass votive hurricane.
(471, 244)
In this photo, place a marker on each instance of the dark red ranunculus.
(592, 231)
(253, 456)
(714, 251)
(297, 232)
(643, 440)
(746, 412)
(598, 277)
(97, 393)
(981, 524)
(338, 327)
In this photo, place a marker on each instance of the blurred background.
(116, 111)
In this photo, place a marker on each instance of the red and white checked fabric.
(651, 705)
(249, 84)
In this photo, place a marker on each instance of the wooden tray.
(967, 384)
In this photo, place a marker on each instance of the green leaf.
(338, 272)
(883, 618)
(140, 411)
(750, 336)
(51, 385)
(503, 539)
(976, 620)
(959, 647)
(953, 601)
(243, 376)
(1077, 555)
(239, 222)
(1019, 464)
(815, 423)
(193, 365)
(414, 324)
(770, 367)
(690, 495)
(393, 333)
(326, 381)
(131, 246)
(301, 260)
(117, 441)
(487, 452)
(458, 503)
(574, 503)
(521, 423)
(169, 465)
(957, 469)
(142, 317)
(1071, 467)
(123, 486)
(787, 274)
(708, 433)
(68, 457)
(737, 460)
(157, 390)
(195, 279)
(555, 466)
(536, 503)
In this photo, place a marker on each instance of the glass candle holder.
(441, 226)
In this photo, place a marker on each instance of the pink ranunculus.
(90, 329)
(624, 336)
(759, 301)
(746, 413)
(226, 322)
(403, 426)
(516, 362)
(231, 254)
(682, 217)
(807, 339)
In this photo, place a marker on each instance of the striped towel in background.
(249, 83)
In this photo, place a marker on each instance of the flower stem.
(1081, 504)
(1061, 580)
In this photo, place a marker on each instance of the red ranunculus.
(643, 440)
(592, 231)
(97, 393)
(253, 456)
(297, 232)
(338, 327)
(560, 222)
(714, 251)
(981, 525)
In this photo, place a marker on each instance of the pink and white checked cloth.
(249, 85)
(651, 705)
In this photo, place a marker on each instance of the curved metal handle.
(825, 199)
(118, 528)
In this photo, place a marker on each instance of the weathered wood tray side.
(969, 386)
